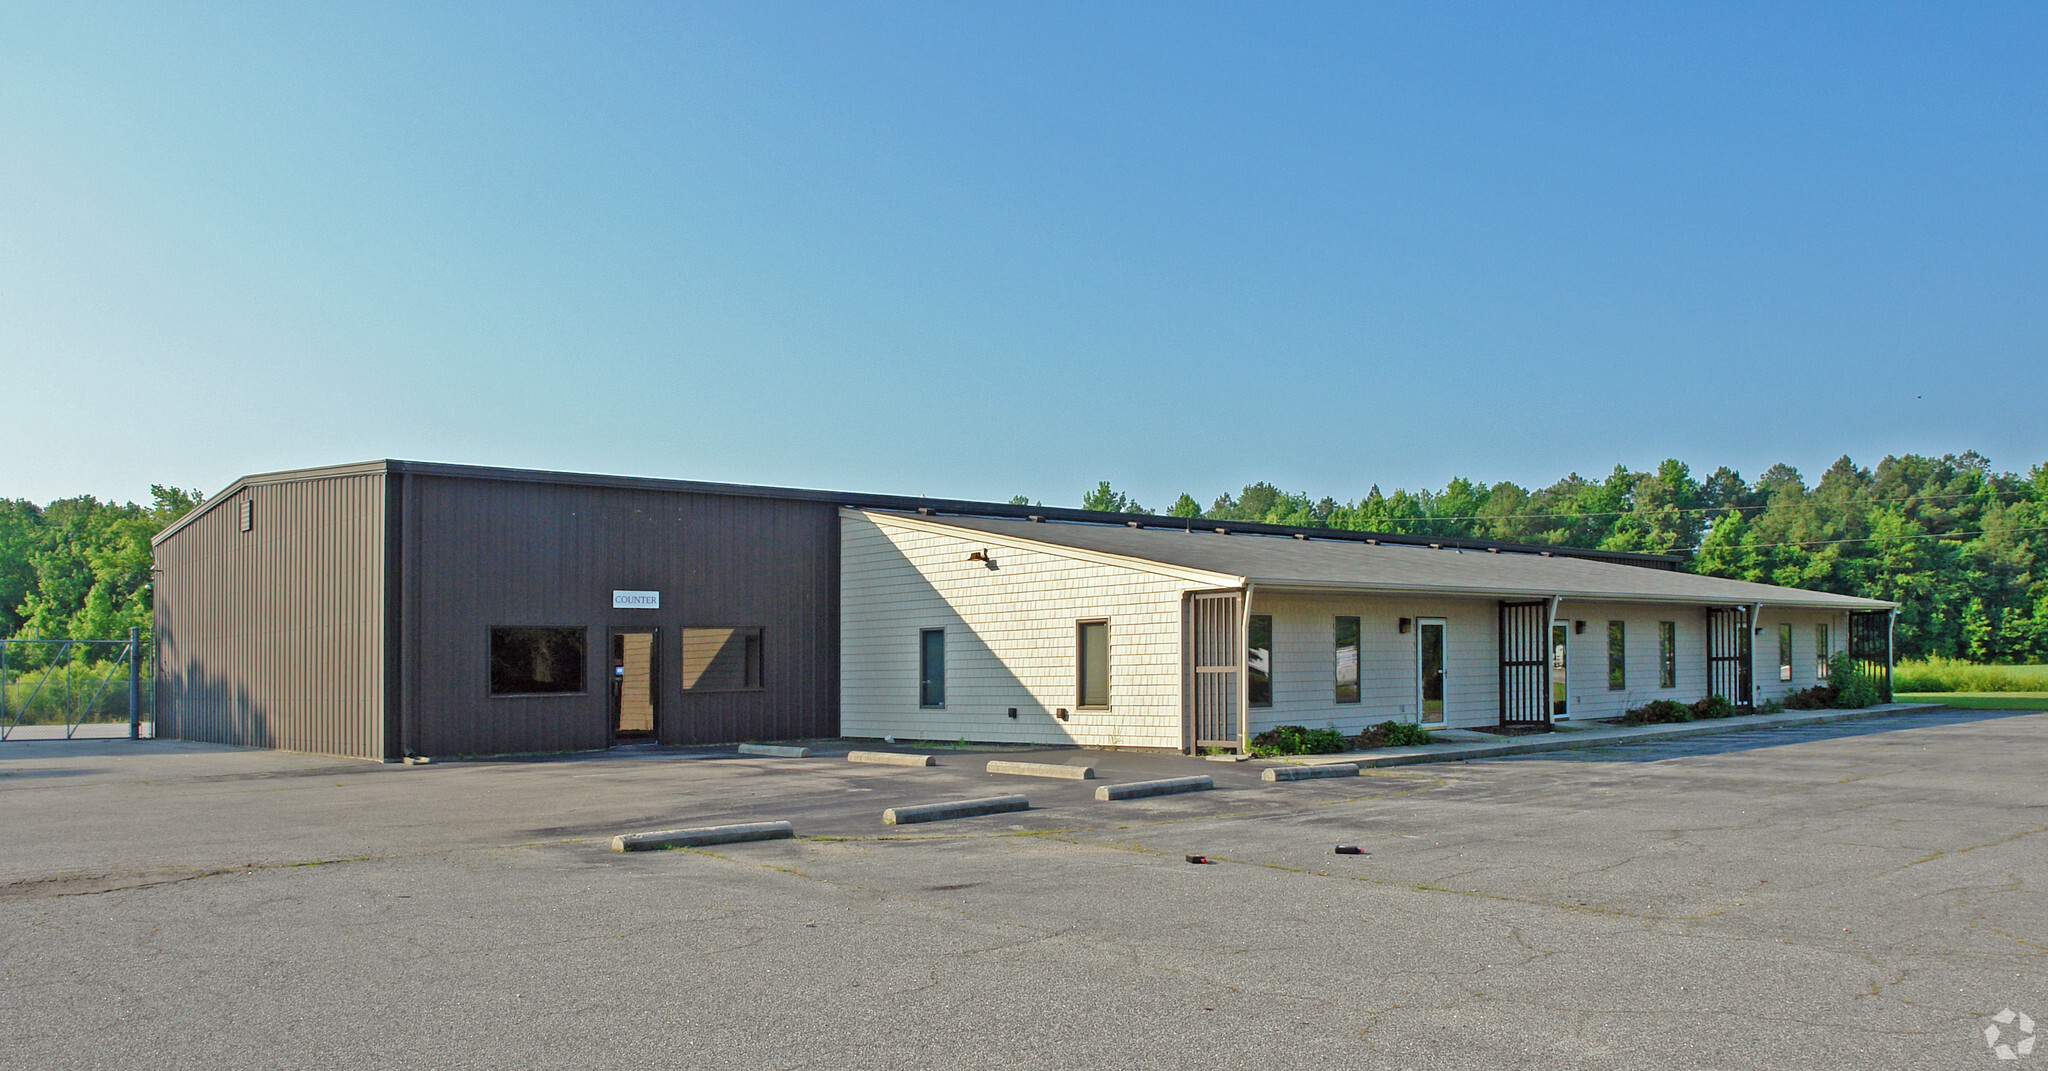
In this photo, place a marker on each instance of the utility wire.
(1655, 511)
(1868, 539)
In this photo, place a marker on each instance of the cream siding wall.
(1305, 672)
(1304, 658)
(1803, 662)
(1010, 640)
(1588, 695)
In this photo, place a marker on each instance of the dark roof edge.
(908, 504)
(324, 472)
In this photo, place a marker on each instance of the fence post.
(134, 684)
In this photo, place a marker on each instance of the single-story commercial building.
(397, 608)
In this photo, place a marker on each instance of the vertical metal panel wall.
(273, 637)
(480, 553)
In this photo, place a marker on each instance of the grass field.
(1979, 700)
(1955, 675)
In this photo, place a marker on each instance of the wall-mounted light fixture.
(1405, 622)
(1060, 713)
(979, 556)
(1579, 627)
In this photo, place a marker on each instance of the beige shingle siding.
(1010, 640)
(1305, 667)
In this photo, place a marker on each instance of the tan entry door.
(633, 682)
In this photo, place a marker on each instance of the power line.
(1654, 511)
(1869, 539)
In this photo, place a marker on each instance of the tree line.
(1958, 544)
(79, 568)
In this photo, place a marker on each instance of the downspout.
(1244, 673)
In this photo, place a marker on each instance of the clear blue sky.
(983, 250)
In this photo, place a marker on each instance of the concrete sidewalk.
(1466, 747)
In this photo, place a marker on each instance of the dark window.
(931, 668)
(1821, 650)
(536, 661)
(1258, 660)
(1347, 660)
(1092, 641)
(722, 659)
(1617, 655)
(1667, 654)
(1784, 652)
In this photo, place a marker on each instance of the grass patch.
(1979, 700)
(1955, 675)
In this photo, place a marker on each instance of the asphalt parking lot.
(1862, 894)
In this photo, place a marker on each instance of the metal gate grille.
(1870, 647)
(1728, 655)
(1524, 663)
(1215, 665)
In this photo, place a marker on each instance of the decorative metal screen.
(1728, 655)
(1214, 646)
(1524, 663)
(1870, 646)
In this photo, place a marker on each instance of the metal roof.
(1321, 564)
(859, 500)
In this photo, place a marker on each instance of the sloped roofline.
(915, 504)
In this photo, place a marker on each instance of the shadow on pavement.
(1754, 739)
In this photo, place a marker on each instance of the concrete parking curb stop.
(936, 812)
(1042, 769)
(776, 751)
(1303, 773)
(773, 750)
(890, 758)
(1163, 787)
(702, 835)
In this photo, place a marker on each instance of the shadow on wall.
(980, 688)
(198, 705)
(1761, 737)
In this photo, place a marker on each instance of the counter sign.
(636, 600)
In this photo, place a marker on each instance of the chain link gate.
(79, 695)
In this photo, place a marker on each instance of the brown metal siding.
(479, 553)
(274, 637)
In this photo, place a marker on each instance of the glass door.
(1560, 685)
(1429, 669)
(633, 682)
